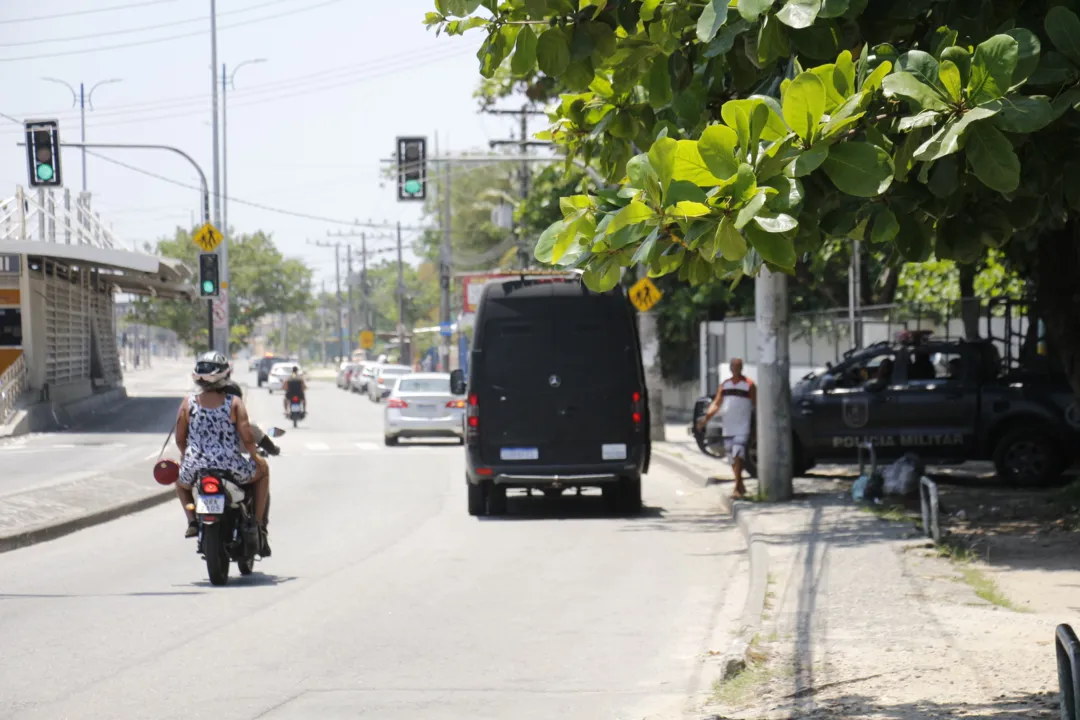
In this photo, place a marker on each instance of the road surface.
(383, 599)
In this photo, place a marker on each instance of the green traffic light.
(44, 172)
(208, 286)
(412, 187)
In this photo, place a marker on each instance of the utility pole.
(525, 176)
(404, 357)
(322, 324)
(348, 289)
(337, 294)
(445, 260)
(854, 296)
(219, 339)
(82, 99)
(775, 462)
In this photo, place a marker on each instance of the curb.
(750, 620)
(66, 527)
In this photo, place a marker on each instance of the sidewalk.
(862, 620)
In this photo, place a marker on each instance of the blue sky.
(307, 128)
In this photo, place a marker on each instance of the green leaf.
(689, 209)
(789, 193)
(944, 177)
(962, 59)
(681, 190)
(659, 83)
(799, 13)
(820, 41)
(949, 139)
(859, 169)
(717, 147)
(910, 86)
(809, 161)
(772, 41)
(833, 8)
(662, 158)
(912, 240)
(639, 170)
(537, 9)
(1054, 69)
(1063, 28)
(873, 81)
(992, 158)
(712, 17)
(844, 75)
(524, 52)
(773, 247)
(927, 118)
(751, 10)
(920, 64)
(885, 226)
(573, 203)
(598, 4)
(745, 185)
(668, 262)
(690, 166)
(778, 223)
(633, 214)
(949, 75)
(603, 277)
(1028, 49)
(992, 68)
(958, 238)
(1023, 114)
(943, 37)
(603, 38)
(553, 52)
(545, 246)
(645, 249)
(804, 104)
(748, 211)
(725, 39)
(648, 9)
(1071, 185)
(730, 241)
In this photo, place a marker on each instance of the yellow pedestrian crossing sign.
(207, 237)
(644, 294)
(367, 339)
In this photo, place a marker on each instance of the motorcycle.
(228, 528)
(710, 439)
(297, 412)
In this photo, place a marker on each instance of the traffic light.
(43, 152)
(412, 171)
(208, 275)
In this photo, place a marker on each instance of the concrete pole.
(444, 269)
(854, 296)
(775, 462)
(220, 339)
(349, 283)
(649, 331)
(337, 277)
(82, 123)
(403, 358)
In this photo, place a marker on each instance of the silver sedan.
(422, 406)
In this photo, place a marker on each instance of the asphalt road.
(383, 599)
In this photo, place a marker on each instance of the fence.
(12, 386)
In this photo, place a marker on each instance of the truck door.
(852, 407)
(936, 399)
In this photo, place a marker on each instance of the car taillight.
(456, 404)
(397, 403)
(637, 409)
(472, 415)
(210, 486)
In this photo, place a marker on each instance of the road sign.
(446, 329)
(644, 295)
(207, 237)
(220, 303)
(367, 339)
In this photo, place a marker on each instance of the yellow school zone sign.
(644, 294)
(207, 237)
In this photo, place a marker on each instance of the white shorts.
(735, 445)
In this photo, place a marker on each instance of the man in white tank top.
(735, 400)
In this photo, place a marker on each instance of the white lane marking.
(367, 446)
(317, 446)
(151, 456)
(63, 447)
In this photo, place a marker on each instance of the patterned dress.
(213, 442)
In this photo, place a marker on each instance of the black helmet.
(211, 369)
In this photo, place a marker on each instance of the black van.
(556, 394)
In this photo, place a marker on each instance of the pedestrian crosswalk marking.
(317, 447)
(367, 445)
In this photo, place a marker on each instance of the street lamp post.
(82, 99)
(228, 81)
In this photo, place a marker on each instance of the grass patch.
(986, 588)
(738, 688)
(955, 552)
(892, 513)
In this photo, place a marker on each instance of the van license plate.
(519, 454)
(616, 451)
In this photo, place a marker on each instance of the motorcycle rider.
(295, 386)
(212, 429)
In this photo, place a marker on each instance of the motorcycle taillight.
(210, 486)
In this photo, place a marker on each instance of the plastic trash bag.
(868, 487)
(902, 477)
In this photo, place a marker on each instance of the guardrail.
(12, 386)
(931, 513)
(1068, 651)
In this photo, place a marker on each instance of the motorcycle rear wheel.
(217, 557)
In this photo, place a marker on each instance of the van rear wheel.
(477, 498)
(629, 495)
(496, 499)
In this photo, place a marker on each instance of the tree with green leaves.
(261, 282)
(750, 133)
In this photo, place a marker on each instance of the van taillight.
(472, 420)
(637, 409)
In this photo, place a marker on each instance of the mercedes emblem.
(554, 381)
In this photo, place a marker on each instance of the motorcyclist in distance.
(295, 386)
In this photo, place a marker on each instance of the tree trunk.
(969, 304)
(1058, 297)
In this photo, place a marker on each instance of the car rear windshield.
(396, 371)
(424, 385)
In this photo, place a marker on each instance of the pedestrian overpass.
(60, 267)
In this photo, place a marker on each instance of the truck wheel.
(496, 499)
(477, 498)
(629, 495)
(1025, 458)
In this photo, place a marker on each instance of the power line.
(145, 28)
(249, 203)
(167, 38)
(131, 6)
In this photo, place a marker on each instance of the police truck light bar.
(43, 152)
(412, 170)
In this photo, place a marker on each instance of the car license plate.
(614, 451)
(519, 454)
(210, 504)
(426, 408)
(297, 407)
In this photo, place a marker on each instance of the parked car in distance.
(263, 369)
(422, 406)
(382, 380)
(280, 373)
(345, 373)
(358, 377)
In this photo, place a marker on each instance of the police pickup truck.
(949, 401)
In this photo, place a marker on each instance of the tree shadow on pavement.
(1023, 706)
(565, 507)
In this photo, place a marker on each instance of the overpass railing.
(12, 387)
(41, 216)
